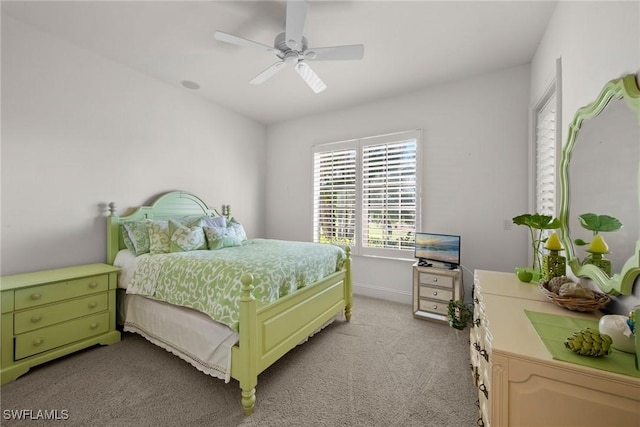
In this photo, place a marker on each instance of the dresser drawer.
(433, 306)
(48, 338)
(44, 294)
(437, 280)
(48, 315)
(436, 293)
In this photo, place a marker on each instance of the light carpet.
(384, 368)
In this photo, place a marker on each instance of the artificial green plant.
(536, 224)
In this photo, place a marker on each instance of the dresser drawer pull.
(36, 296)
(36, 318)
(435, 306)
(37, 342)
(93, 304)
(435, 279)
(93, 325)
(435, 293)
(484, 354)
(480, 422)
(93, 285)
(476, 346)
(484, 390)
(476, 300)
(477, 322)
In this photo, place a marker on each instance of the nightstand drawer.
(43, 316)
(44, 294)
(436, 293)
(437, 280)
(433, 306)
(61, 334)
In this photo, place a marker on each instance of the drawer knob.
(477, 322)
(435, 292)
(38, 341)
(93, 285)
(435, 279)
(435, 306)
(93, 304)
(36, 296)
(483, 389)
(36, 318)
(93, 325)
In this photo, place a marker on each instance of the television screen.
(442, 248)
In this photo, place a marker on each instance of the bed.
(262, 329)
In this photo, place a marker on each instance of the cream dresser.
(519, 383)
(48, 314)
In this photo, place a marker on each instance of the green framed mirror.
(600, 174)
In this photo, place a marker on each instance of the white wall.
(79, 131)
(597, 42)
(475, 171)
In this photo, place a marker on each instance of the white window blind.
(545, 187)
(389, 194)
(334, 197)
(366, 194)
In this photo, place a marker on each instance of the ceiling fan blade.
(239, 41)
(294, 24)
(354, 51)
(268, 73)
(310, 77)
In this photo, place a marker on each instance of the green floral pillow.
(222, 237)
(159, 242)
(136, 237)
(184, 238)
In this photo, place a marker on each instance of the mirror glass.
(600, 174)
(603, 174)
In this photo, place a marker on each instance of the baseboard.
(382, 293)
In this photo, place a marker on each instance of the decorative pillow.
(238, 229)
(218, 221)
(136, 237)
(186, 237)
(222, 237)
(159, 242)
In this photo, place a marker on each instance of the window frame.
(357, 145)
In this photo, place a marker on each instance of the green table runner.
(554, 330)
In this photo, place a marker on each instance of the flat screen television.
(441, 248)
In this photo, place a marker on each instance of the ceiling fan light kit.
(291, 48)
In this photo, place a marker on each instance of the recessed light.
(190, 85)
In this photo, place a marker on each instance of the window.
(366, 194)
(545, 182)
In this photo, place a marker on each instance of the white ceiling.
(408, 45)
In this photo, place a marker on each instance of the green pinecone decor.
(589, 342)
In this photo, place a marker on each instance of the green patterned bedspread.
(209, 280)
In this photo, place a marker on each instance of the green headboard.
(172, 204)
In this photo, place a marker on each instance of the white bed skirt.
(187, 333)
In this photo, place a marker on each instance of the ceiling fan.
(291, 48)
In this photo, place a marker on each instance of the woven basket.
(577, 304)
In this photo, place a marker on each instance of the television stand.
(433, 287)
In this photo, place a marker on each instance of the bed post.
(112, 234)
(348, 288)
(248, 374)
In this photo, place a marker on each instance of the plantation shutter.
(366, 194)
(389, 196)
(334, 197)
(546, 158)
